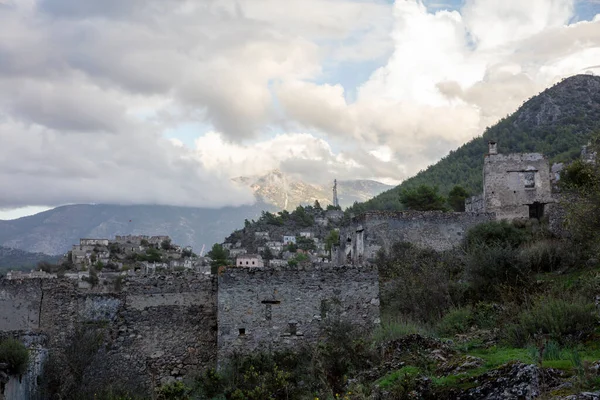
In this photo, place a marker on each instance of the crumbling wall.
(475, 204)
(369, 232)
(20, 302)
(165, 329)
(513, 182)
(157, 328)
(275, 309)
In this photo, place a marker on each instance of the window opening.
(529, 178)
(536, 210)
(293, 328)
(242, 331)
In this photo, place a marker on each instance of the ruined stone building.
(515, 186)
(162, 327)
(249, 260)
(284, 308)
(361, 240)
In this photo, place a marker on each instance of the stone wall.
(20, 302)
(360, 241)
(156, 329)
(513, 182)
(475, 204)
(277, 309)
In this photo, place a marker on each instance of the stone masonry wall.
(157, 328)
(20, 305)
(512, 182)
(277, 309)
(360, 241)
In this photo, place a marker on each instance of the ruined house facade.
(515, 186)
(284, 308)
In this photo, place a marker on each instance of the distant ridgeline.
(556, 123)
(21, 260)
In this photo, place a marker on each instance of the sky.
(163, 101)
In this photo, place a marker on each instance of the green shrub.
(559, 320)
(544, 255)
(458, 320)
(15, 355)
(489, 267)
(496, 234)
(174, 391)
(418, 284)
(487, 315)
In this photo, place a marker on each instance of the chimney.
(493, 147)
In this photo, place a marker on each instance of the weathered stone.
(265, 309)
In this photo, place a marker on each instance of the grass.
(496, 356)
(390, 379)
(392, 329)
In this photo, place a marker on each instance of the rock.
(516, 381)
(592, 262)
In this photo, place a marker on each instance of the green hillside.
(14, 259)
(557, 122)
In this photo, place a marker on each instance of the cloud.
(89, 89)
(40, 166)
(300, 154)
(451, 75)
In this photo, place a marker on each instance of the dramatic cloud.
(300, 154)
(317, 88)
(88, 88)
(451, 74)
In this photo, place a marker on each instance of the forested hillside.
(21, 260)
(557, 122)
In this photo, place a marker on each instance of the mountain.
(19, 259)
(286, 192)
(557, 122)
(55, 231)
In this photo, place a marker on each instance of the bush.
(15, 355)
(560, 320)
(544, 256)
(496, 234)
(458, 320)
(490, 267)
(418, 284)
(174, 391)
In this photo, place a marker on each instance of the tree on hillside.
(301, 217)
(166, 244)
(317, 205)
(219, 257)
(305, 244)
(423, 198)
(267, 255)
(457, 197)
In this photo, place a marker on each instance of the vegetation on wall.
(15, 355)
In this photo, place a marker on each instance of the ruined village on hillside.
(168, 316)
